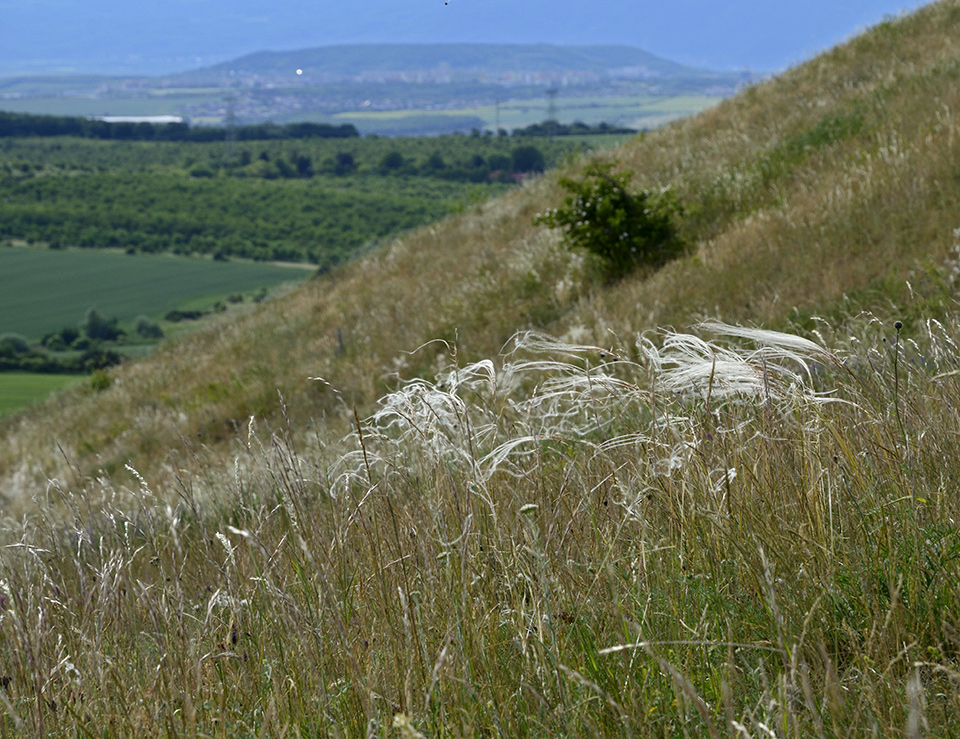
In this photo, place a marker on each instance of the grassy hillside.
(823, 191)
(627, 530)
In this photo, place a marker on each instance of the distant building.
(139, 118)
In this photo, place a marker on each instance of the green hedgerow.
(624, 229)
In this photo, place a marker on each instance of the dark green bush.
(54, 343)
(147, 328)
(96, 359)
(98, 328)
(13, 344)
(392, 161)
(528, 159)
(623, 229)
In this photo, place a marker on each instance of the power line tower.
(552, 121)
(230, 121)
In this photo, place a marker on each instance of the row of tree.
(73, 349)
(248, 217)
(28, 125)
(314, 200)
(501, 167)
(577, 128)
(16, 355)
(91, 360)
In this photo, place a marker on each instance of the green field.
(90, 106)
(42, 290)
(638, 111)
(20, 389)
(633, 111)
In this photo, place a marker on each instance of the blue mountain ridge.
(153, 37)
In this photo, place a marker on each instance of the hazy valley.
(389, 89)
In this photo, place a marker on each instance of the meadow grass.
(737, 533)
(461, 487)
(820, 192)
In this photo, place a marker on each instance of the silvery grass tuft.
(781, 364)
(488, 417)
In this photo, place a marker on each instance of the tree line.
(495, 166)
(79, 349)
(32, 125)
(302, 220)
(28, 125)
(577, 128)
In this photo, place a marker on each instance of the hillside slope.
(725, 531)
(836, 179)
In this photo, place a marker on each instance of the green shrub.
(100, 380)
(98, 328)
(624, 229)
(147, 328)
(528, 159)
(69, 334)
(54, 342)
(99, 359)
(13, 344)
(392, 161)
(344, 163)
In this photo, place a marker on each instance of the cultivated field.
(638, 111)
(633, 112)
(21, 389)
(318, 200)
(155, 104)
(43, 290)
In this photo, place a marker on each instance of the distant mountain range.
(462, 62)
(530, 66)
(154, 37)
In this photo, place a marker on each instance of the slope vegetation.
(626, 530)
(824, 190)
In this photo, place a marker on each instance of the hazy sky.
(170, 35)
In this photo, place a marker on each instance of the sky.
(159, 36)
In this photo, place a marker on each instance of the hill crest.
(454, 61)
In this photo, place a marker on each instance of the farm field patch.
(42, 290)
(20, 389)
(635, 111)
(168, 103)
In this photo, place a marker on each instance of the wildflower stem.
(896, 381)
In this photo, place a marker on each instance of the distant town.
(457, 86)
